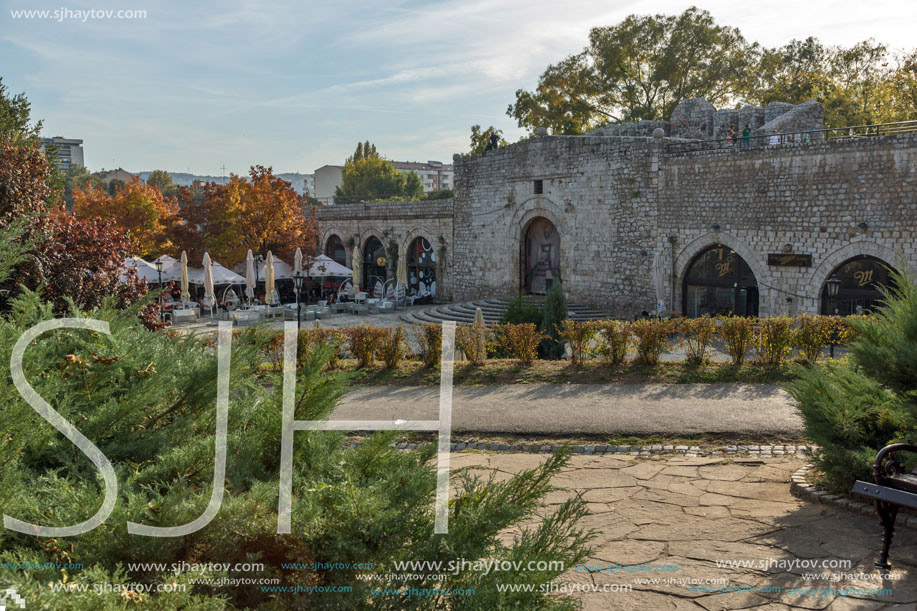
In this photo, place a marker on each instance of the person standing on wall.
(746, 135)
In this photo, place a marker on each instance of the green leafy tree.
(854, 407)
(163, 181)
(640, 68)
(368, 176)
(480, 139)
(555, 312)
(15, 117)
(413, 187)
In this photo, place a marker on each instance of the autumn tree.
(261, 213)
(139, 209)
(638, 69)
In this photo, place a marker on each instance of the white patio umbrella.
(357, 269)
(185, 293)
(209, 293)
(145, 271)
(659, 282)
(250, 275)
(324, 266)
(297, 261)
(269, 279)
(402, 271)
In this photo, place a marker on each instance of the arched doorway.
(718, 281)
(421, 267)
(374, 261)
(540, 256)
(334, 249)
(859, 291)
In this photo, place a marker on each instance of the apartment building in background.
(325, 180)
(435, 175)
(69, 151)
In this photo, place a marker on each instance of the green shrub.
(430, 339)
(520, 311)
(555, 312)
(472, 340)
(392, 345)
(697, 335)
(652, 336)
(812, 335)
(577, 335)
(774, 338)
(363, 342)
(615, 338)
(738, 334)
(521, 341)
(147, 400)
(855, 406)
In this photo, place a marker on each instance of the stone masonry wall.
(616, 202)
(394, 222)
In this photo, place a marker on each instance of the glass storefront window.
(719, 282)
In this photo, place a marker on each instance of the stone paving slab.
(593, 409)
(661, 511)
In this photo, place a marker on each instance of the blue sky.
(295, 84)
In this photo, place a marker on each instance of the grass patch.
(497, 371)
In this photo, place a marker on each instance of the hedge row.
(771, 340)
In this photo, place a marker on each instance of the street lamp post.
(297, 284)
(158, 264)
(258, 261)
(834, 285)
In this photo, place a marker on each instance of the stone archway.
(530, 210)
(335, 249)
(695, 247)
(540, 256)
(718, 281)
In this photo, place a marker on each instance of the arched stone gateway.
(540, 256)
(421, 266)
(860, 278)
(719, 281)
(334, 249)
(374, 263)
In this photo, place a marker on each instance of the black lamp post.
(834, 285)
(158, 264)
(258, 261)
(297, 284)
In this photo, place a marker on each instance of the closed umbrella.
(402, 271)
(357, 268)
(269, 279)
(250, 275)
(185, 293)
(297, 262)
(659, 282)
(209, 293)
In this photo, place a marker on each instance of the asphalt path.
(593, 409)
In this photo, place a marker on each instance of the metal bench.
(892, 490)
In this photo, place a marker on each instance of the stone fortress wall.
(616, 200)
(398, 222)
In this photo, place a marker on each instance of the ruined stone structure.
(744, 229)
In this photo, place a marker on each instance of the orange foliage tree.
(138, 209)
(261, 213)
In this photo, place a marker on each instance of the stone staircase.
(491, 308)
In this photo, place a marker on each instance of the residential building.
(435, 175)
(69, 151)
(119, 174)
(325, 180)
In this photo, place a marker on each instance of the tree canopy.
(368, 176)
(644, 66)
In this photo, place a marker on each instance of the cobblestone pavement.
(696, 511)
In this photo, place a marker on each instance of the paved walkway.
(593, 409)
(695, 512)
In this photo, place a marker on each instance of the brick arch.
(833, 260)
(693, 248)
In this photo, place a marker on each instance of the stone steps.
(492, 309)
